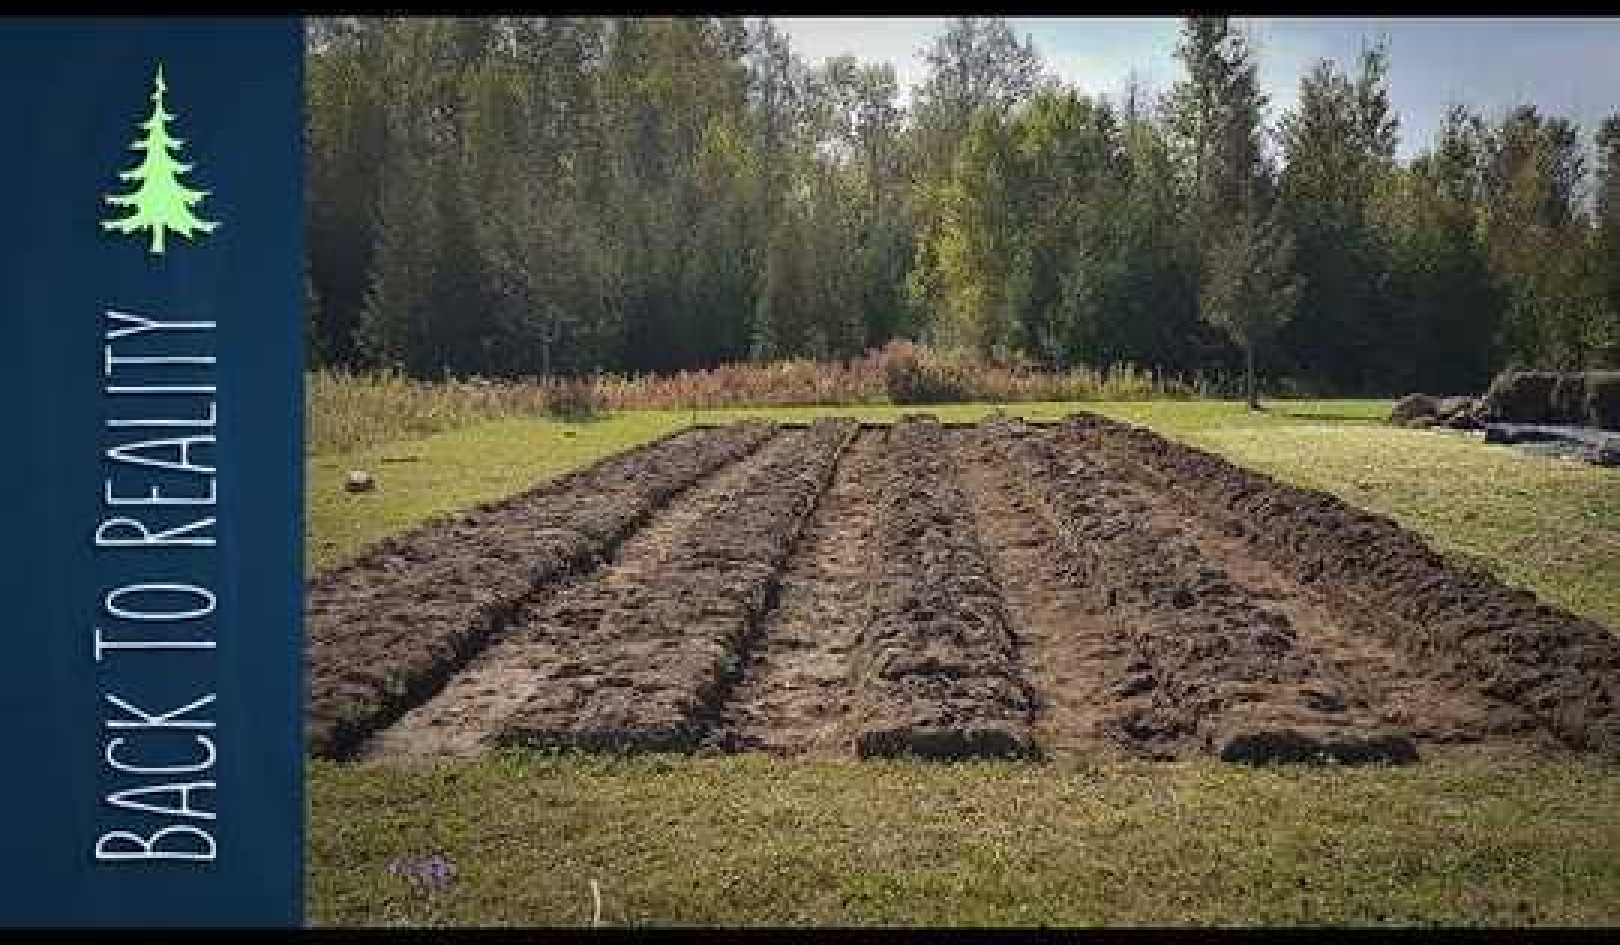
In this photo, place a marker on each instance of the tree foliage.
(564, 195)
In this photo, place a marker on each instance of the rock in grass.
(1413, 406)
(359, 481)
(1458, 413)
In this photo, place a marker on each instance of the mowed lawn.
(1460, 839)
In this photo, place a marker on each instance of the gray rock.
(1413, 406)
(1452, 409)
(359, 480)
(1465, 420)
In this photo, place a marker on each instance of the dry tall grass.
(348, 410)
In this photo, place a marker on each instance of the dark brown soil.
(1076, 654)
(936, 667)
(1213, 668)
(795, 692)
(385, 630)
(467, 715)
(1544, 666)
(999, 590)
(1373, 674)
(644, 664)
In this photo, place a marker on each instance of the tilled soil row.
(1073, 649)
(1214, 669)
(644, 663)
(386, 629)
(793, 697)
(1562, 670)
(936, 671)
(464, 717)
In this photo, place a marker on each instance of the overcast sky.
(1564, 66)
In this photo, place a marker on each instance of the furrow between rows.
(793, 697)
(1215, 670)
(1074, 651)
(643, 660)
(1562, 671)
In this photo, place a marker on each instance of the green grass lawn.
(1458, 839)
(452, 470)
(751, 840)
(457, 468)
(1552, 525)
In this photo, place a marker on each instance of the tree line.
(564, 195)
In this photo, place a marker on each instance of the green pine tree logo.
(160, 201)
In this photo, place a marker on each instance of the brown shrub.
(575, 399)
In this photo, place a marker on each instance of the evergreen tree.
(1607, 249)
(1213, 116)
(1249, 290)
(522, 195)
(1339, 146)
(1245, 287)
(1446, 302)
(160, 202)
(395, 324)
(345, 143)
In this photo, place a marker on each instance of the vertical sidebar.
(151, 293)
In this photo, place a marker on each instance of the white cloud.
(1096, 54)
(1564, 66)
(1100, 54)
(899, 41)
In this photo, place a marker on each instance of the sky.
(1567, 66)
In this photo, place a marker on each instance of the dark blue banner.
(152, 288)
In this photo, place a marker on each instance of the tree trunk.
(548, 339)
(1248, 378)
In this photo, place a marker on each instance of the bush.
(912, 375)
(348, 410)
(1590, 398)
(575, 399)
(1603, 399)
(1522, 397)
